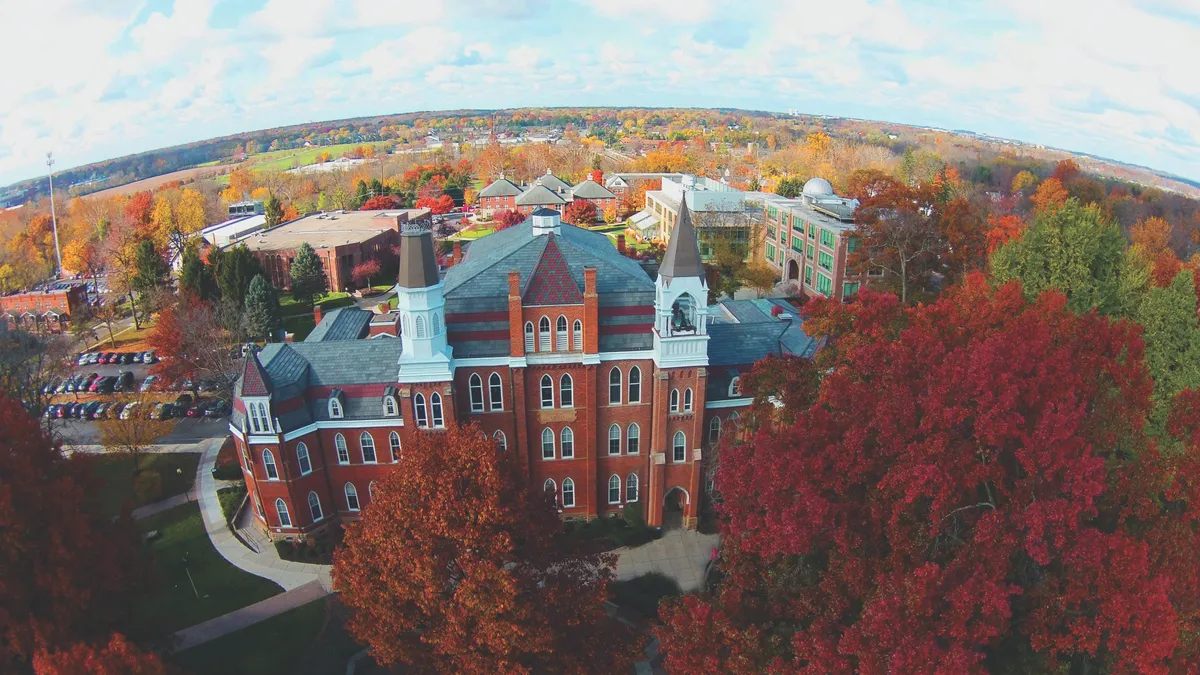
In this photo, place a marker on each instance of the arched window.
(614, 439)
(577, 336)
(314, 506)
(302, 459)
(568, 443)
(501, 440)
(421, 413)
(389, 406)
(544, 334)
(714, 430)
(371, 490)
(420, 326)
(550, 487)
(367, 444)
(614, 489)
(560, 337)
(437, 324)
(631, 438)
(269, 465)
(679, 447)
(495, 391)
(547, 443)
(285, 518)
(683, 314)
(566, 391)
(735, 386)
(351, 497)
(343, 454)
(635, 385)
(394, 442)
(404, 325)
(631, 488)
(547, 387)
(335, 409)
(528, 336)
(687, 400)
(262, 515)
(674, 400)
(568, 493)
(435, 402)
(476, 388)
(614, 386)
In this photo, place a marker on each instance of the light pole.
(53, 217)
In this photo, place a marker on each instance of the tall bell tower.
(426, 356)
(681, 300)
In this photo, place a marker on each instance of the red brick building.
(44, 309)
(548, 191)
(612, 388)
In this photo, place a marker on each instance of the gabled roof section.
(501, 187)
(343, 323)
(683, 252)
(553, 182)
(538, 195)
(551, 282)
(590, 189)
(255, 381)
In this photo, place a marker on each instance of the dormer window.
(260, 418)
(391, 408)
(336, 408)
(735, 386)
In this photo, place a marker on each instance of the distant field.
(196, 172)
(282, 160)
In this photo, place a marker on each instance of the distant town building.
(45, 309)
(547, 191)
(621, 184)
(248, 207)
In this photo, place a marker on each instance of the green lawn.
(299, 325)
(282, 160)
(298, 642)
(289, 305)
(222, 587)
(472, 234)
(115, 472)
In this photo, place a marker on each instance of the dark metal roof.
(683, 252)
(418, 264)
(343, 323)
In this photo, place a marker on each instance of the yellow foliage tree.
(1153, 235)
(1023, 181)
(260, 193)
(818, 144)
(1050, 194)
(189, 214)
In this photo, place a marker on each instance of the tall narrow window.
(435, 403)
(343, 453)
(560, 334)
(568, 443)
(476, 389)
(335, 409)
(614, 386)
(501, 440)
(735, 386)
(547, 443)
(566, 391)
(674, 400)
(389, 406)
(285, 518)
(437, 324)
(269, 465)
(420, 326)
(614, 439)
(714, 430)
(631, 488)
(679, 447)
(302, 459)
(614, 489)
(528, 336)
(547, 387)
(544, 334)
(394, 442)
(367, 444)
(568, 493)
(314, 506)
(631, 438)
(635, 385)
(549, 487)
(421, 413)
(687, 400)
(577, 336)
(371, 490)
(351, 497)
(495, 392)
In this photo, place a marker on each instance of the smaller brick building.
(44, 309)
(547, 191)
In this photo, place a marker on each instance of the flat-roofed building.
(47, 308)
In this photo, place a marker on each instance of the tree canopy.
(308, 277)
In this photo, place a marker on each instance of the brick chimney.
(457, 257)
(316, 314)
(621, 244)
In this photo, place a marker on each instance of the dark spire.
(418, 264)
(683, 252)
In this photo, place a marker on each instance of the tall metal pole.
(53, 217)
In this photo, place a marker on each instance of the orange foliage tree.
(1003, 229)
(118, 657)
(1153, 235)
(1050, 194)
(459, 566)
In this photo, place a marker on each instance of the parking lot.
(85, 436)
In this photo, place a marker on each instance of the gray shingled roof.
(328, 364)
(501, 188)
(343, 323)
(590, 189)
(743, 331)
(553, 182)
(538, 195)
(682, 258)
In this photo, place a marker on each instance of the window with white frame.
(679, 447)
(631, 438)
(560, 334)
(567, 447)
(547, 387)
(371, 490)
(577, 336)
(635, 385)
(614, 439)
(421, 413)
(495, 392)
(262, 515)
(714, 430)
(343, 453)
(351, 497)
(687, 400)
(544, 334)
(566, 391)
(367, 444)
(528, 336)
(335, 409)
(260, 419)
(475, 386)
(435, 404)
(501, 440)
(614, 386)
(735, 386)
(285, 518)
(674, 400)
(394, 442)
(614, 489)
(390, 408)
(269, 465)
(631, 488)
(405, 327)
(302, 459)
(547, 443)
(568, 493)
(314, 506)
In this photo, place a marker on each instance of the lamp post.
(53, 217)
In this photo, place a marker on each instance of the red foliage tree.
(1166, 266)
(1066, 171)
(972, 492)
(118, 657)
(68, 571)
(379, 202)
(506, 218)
(140, 207)
(438, 205)
(1003, 229)
(484, 581)
(963, 228)
(365, 271)
(580, 212)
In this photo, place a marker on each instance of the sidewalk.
(164, 504)
(679, 554)
(248, 616)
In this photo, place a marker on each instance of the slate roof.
(590, 189)
(418, 263)
(538, 195)
(553, 182)
(743, 331)
(501, 187)
(343, 323)
(682, 258)
(551, 282)
(329, 364)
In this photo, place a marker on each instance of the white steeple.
(425, 355)
(681, 300)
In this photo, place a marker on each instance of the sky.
(90, 80)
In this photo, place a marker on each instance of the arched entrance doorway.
(793, 270)
(674, 504)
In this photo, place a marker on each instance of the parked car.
(161, 411)
(108, 385)
(77, 411)
(184, 400)
(137, 357)
(185, 385)
(129, 411)
(218, 408)
(125, 381)
(93, 358)
(196, 410)
(114, 410)
(149, 357)
(89, 410)
(127, 358)
(50, 411)
(52, 386)
(148, 383)
(81, 360)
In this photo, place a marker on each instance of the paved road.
(81, 436)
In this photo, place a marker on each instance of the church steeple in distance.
(683, 251)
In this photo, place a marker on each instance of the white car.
(129, 411)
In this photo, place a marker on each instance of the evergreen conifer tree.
(308, 278)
